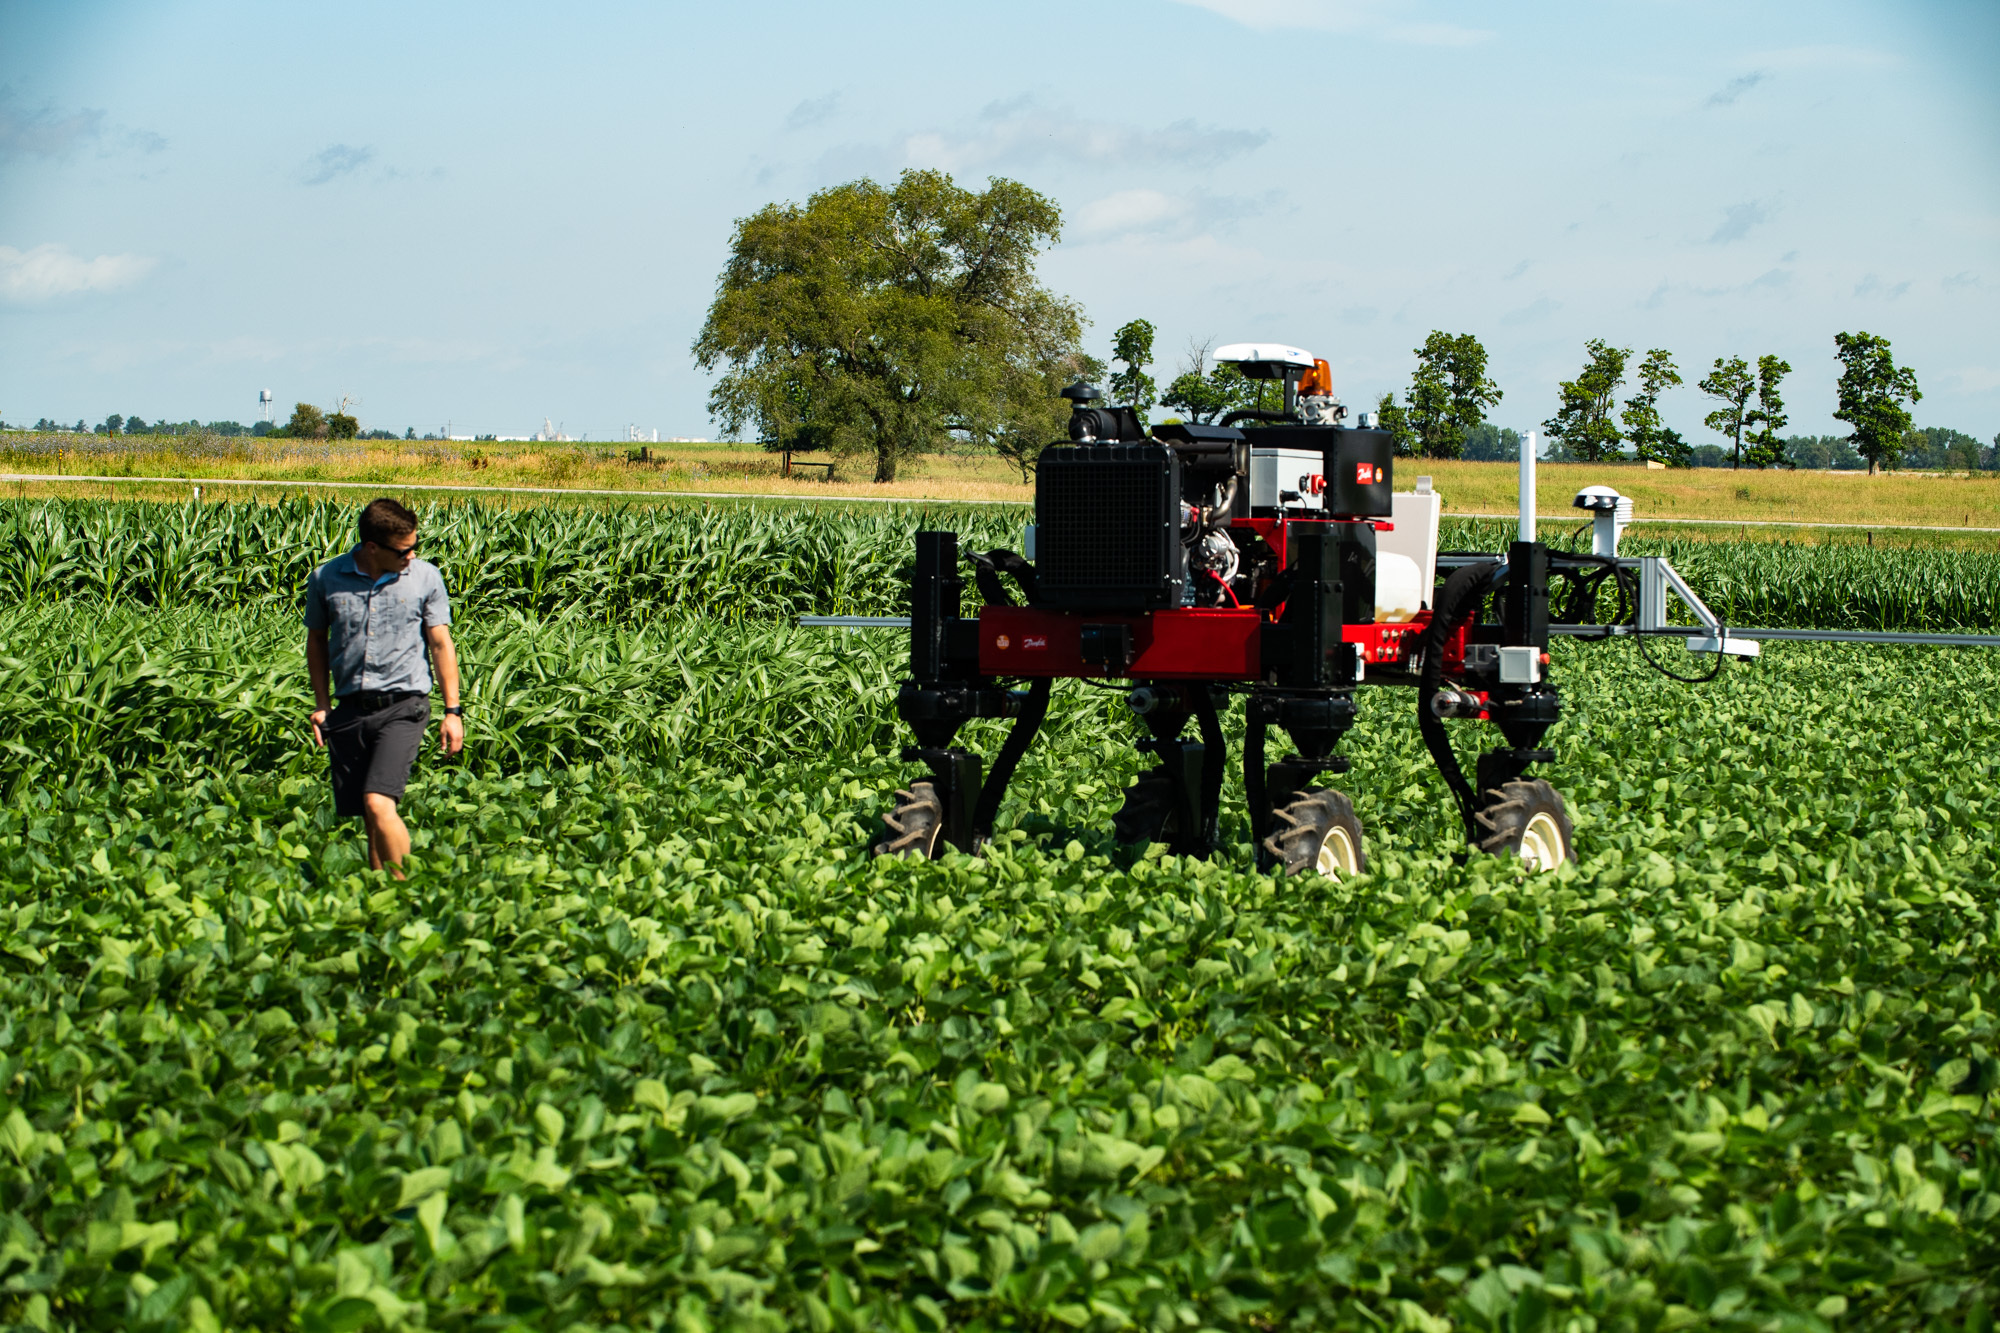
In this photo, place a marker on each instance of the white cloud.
(813, 111)
(1435, 34)
(44, 132)
(1727, 94)
(48, 132)
(1130, 210)
(1540, 308)
(51, 270)
(1975, 379)
(1829, 57)
(1181, 213)
(334, 161)
(1022, 131)
(1390, 19)
(1874, 286)
(1737, 220)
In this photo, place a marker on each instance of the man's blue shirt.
(375, 624)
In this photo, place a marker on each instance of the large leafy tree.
(1582, 424)
(1729, 383)
(1450, 393)
(1873, 394)
(886, 319)
(1766, 446)
(1133, 346)
(1652, 439)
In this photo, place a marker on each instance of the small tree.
(1873, 394)
(1653, 440)
(1492, 444)
(341, 426)
(1582, 424)
(1730, 384)
(1449, 394)
(1039, 419)
(1133, 345)
(113, 423)
(1200, 393)
(1396, 420)
(307, 423)
(1764, 421)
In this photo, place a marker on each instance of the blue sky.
(491, 214)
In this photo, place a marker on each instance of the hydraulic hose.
(1457, 602)
(986, 571)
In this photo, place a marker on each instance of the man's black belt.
(374, 701)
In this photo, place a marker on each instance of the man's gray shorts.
(371, 740)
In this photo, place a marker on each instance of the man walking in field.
(370, 614)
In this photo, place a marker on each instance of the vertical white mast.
(1528, 487)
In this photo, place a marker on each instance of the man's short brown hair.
(386, 520)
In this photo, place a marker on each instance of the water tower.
(264, 403)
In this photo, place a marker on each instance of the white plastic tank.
(1399, 591)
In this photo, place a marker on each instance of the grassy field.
(720, 467)
(1746, 498)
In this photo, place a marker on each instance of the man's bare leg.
(388, 836)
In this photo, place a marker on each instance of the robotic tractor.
(1267, 555)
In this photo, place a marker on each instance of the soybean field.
(648, 1041)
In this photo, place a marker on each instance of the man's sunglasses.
(400, 552)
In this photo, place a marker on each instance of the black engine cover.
(1107, 528)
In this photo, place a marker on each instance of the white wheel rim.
(1542, 842)
(1337, 856)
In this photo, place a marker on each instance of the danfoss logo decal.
(1036, 642)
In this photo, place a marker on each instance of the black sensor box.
(1357, 464)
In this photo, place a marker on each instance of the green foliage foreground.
(646, 1041)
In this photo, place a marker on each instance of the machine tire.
(1526, 818)
(916, 824)
(1148, 813)
(1317, 832)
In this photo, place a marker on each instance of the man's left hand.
(451, 734)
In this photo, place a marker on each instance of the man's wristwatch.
(456, 710)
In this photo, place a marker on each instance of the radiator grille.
(1106, 527)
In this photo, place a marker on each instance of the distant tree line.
(307, 422)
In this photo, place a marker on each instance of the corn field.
(773, 562)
